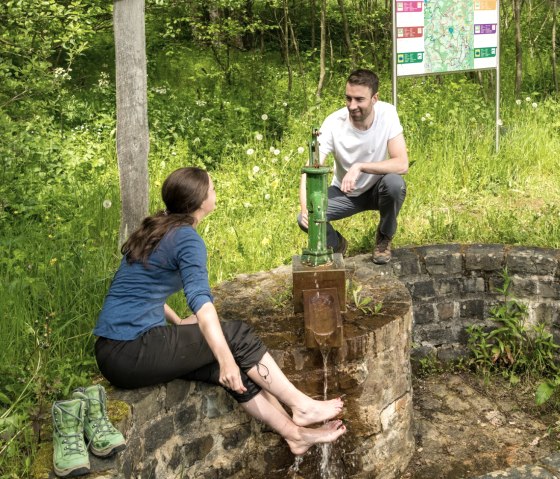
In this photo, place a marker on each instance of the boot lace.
(101, 425)
(73, 442)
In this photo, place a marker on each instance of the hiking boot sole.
(109, 451)
(80, 471)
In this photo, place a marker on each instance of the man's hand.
(350, 178)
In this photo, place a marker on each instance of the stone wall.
(453, 286)
(192, 430)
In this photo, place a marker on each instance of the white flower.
(286, 158)
(534, 105)
(107, 204)
(423, 118)
(264, 117)
(518, 101)
(200, 103)
(285, 104)
(276, 151)
(528, 99)
(259, 137)
(247, 205)
(250, 151)
(428, 115)
(431, 123)
(300, 150)
(256, 169)
(500, 122)
(267, 196)
(271, 149)
(174, 153)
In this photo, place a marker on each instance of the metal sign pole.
(498, 121)
(394, 14)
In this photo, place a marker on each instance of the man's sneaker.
(70, 456)
(103, 438)
(382, 250)
(342, 245)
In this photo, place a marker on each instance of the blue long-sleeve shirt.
(138, 293)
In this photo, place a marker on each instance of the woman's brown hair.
(183, 192)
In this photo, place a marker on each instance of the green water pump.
(317, 252)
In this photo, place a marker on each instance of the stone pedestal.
(185, 429)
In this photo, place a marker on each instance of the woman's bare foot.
(307, 437)
(317, 411)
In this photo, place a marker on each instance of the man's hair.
(365, 78)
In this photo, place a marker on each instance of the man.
(367, 142)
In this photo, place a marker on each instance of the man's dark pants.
(387, 196)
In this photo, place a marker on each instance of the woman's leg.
(305, 410)
(299, 438)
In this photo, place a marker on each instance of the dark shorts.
(165, 353)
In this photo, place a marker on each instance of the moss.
(117, 411)
(42, 462)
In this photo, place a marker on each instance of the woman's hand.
(230, 377)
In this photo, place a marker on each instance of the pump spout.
(323, 321)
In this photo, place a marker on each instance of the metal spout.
(323, 322)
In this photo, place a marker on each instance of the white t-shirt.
(350, 145)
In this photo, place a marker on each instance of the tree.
(132, 112)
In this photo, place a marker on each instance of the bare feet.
(317, 411)
(307, 437)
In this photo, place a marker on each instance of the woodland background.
(235, 87)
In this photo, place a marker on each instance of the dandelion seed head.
(250, 151)
(264, 117)
(267, 196)
(107, 204)
(534, 105)
(259, 137)
(276, 151)
(518, 101)
(300, 150)
(256, 169)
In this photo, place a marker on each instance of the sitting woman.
(136, 348)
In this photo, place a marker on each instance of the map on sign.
(435, 36)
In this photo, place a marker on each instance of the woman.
(136, 348)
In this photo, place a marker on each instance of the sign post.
(444, 36)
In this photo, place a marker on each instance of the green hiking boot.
(103, 438)
(70, 456)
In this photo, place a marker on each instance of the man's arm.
(396, 163)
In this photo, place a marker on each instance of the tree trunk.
(347, 38)
(132, 113)
(323, 54)
(286, 43)
(553, 51)
(518, 48)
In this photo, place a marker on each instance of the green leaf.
(544, 392)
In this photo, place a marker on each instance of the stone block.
(452, 352)
(236, 436)
(405, 262)
(424, 313)
(443, 260)
(177, 392)
(536, 261)
(523, 287)
(446, 310)
(192, 451)
(481, 257)
(549, 289)
(422, 289)
(473, 285)
(157, 434)
(448, 286)
(471, 308)
(215, 405)
(184, 419)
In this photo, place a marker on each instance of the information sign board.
(436, 36)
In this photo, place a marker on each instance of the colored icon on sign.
(484, 28)
(485, 5)
(409, 6)
(485, 52)
(410, 57)
(410, 32)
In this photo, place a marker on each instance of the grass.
(56, 266)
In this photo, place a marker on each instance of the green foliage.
(512, 348)
(363, 303)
